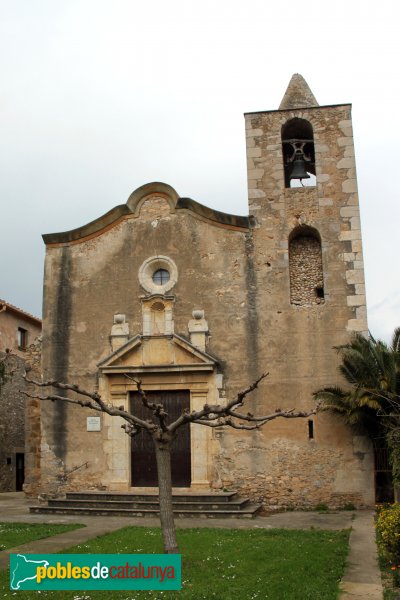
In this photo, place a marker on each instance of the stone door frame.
(116, 388)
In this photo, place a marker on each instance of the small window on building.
(310, 430)
(158, 274)
(22, 338)
(161, 277)
(298, 153)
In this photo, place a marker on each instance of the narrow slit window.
(310, 429)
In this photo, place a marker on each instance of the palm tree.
(371, 402)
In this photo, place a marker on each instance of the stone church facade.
(198, 303)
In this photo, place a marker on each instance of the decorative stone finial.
(198, 329)
(119, 332)
(198, 314)
(298, 94)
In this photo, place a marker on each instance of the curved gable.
(133, 207)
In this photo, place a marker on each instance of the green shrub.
(321, 507)
(388, 530)
(349, 506)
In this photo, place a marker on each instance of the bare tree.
(163, 433)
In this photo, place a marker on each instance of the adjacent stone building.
(20, 334)
(18, 329)
(198, 303)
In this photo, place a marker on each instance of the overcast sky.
(98, 97)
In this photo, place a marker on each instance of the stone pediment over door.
(161, 354)
(167, 364)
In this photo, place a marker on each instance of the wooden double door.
(143, 459)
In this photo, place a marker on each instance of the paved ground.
(361, 581)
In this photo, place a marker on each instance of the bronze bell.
(299, 168)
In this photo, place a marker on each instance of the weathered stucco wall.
(211, 264)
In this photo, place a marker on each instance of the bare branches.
(286, 414)
(216, 409)
(64, 386)
(162, 433)
(226, 415)
(238, 401)
(211, 415)
(96, 402)
(157, 409)
(54, 397)
(251, 422)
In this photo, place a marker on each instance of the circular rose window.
(161, 277)
(158, 274)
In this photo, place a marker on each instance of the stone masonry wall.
(33, 357)
(12, 424)
(20, 422)
(280, 472)
(295, 341)
(331, 206)
(296, 480)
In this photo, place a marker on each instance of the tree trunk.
(163, 456)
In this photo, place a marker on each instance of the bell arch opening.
(298, 153)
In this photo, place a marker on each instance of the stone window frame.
(150, 266)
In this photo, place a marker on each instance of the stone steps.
(148, 496)
(206, 504)
(235, 505)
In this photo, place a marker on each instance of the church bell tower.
(307, 252)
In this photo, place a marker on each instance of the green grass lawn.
(226, 564)
(15, 534)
